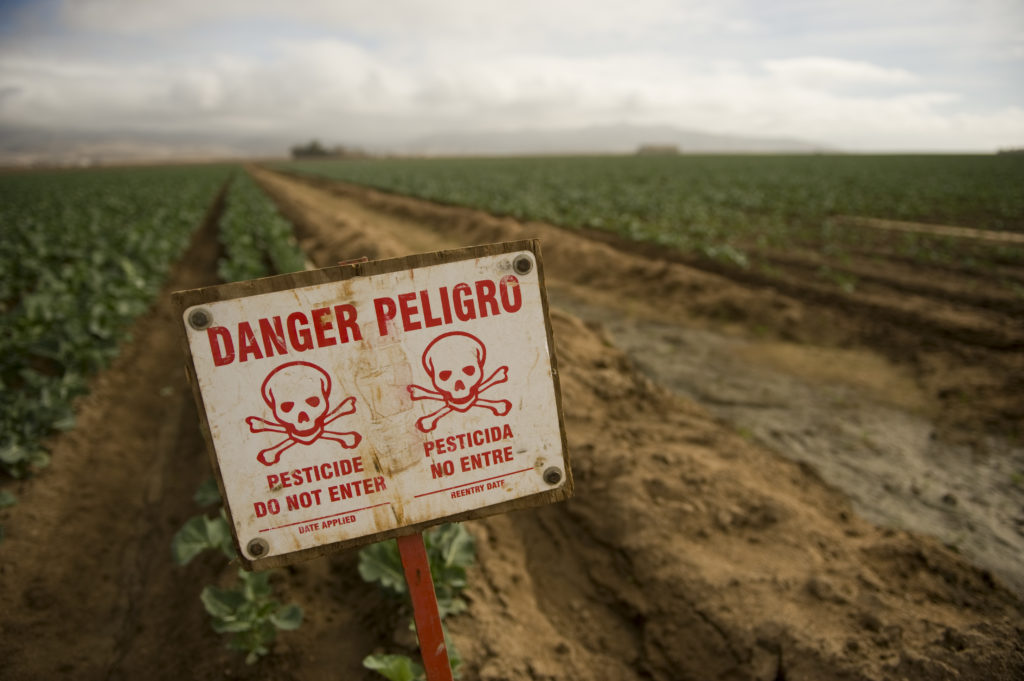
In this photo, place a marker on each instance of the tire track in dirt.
(963, 288)
(931, 230)
(688, 552)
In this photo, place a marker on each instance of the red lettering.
(408, 310)
(221, 347)
(247, 344)
(322, 326)
(428, 319)
(464, 309)
(303, 500)
(357, 488)
(272, 507)
(485, 297)
(300, 337)
(509, 286)
(346, 315)
(385, 311)
(440, 470)
(273, 337)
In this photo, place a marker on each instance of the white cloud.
(522, 22)
(825, 72)
(374, 72)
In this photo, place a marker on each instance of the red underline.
(324, 517)
(503, 475)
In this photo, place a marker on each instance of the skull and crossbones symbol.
(298, 395)
(455, 363)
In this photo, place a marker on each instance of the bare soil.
(776, 479)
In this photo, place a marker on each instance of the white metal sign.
(398, 395)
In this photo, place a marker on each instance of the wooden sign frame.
(184, 300)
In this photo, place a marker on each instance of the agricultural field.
(84, 253)
(795, 436)
(869, 234)
(721, 206)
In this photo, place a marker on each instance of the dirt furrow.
(964, 289)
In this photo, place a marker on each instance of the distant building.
(316, 150)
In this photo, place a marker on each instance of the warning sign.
(344, 404)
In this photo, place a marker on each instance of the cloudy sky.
(865, 75)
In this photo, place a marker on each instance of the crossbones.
(298, 395)
(455, 363)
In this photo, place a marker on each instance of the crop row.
(256, 240)
(84, 253)
(710, 203)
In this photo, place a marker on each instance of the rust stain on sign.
(350, 404)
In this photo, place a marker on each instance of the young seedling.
(450, 550)
(249, 614)
(246, 611)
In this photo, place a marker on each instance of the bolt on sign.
(350, 404)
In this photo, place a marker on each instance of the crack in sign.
(455, 363)
(298, 395)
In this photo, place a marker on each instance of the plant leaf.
(394, 667)
(381, 563)
(208, 494)
(221, 603)
(198, 534)
(287, 618)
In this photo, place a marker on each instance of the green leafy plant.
(450, 550)
(249, 614)
(404, 668)
(200, 533)
(85, 252)
(394, 667)
(245, 611)
(257, 240)
(727, 208)
(207, 494)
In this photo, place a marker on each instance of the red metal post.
(424, 607)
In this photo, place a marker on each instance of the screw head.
(200, 318)
(523, 264)
(552, 476)
(257, 547)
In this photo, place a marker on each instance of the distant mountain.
(21, 145)
(29, 146)
(611, 139)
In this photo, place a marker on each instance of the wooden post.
(424, 607)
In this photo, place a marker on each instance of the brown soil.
(702, 414)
